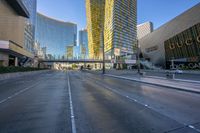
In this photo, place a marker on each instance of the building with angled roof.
(176, 41)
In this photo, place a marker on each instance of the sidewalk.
(178, 84)
(175, 84)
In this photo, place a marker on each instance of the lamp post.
(102, 39)
(172, 63)
(138, 55)
(103, 53)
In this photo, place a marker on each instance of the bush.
(18, 69)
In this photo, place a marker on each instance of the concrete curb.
(20, 74)
(157, 84)
(176, 79)
(184, 71)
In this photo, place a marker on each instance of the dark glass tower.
(30, 23)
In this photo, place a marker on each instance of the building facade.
(13, 16)
(30, 23)
(83, 43)
(95, 11)
(176, 41)
(184, 49)
(112, 22)
(57, 36)
(77, 52)
(120, 27)
(144, 29)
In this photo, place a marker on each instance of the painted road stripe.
(147, 106)
(18, 93)
(190, 126)
(71, 106)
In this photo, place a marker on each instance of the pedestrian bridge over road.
(72, 61)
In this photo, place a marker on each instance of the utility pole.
(103, 53)
(138, 56)
(102, 32)
(172, 63)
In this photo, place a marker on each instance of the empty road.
(80, 102)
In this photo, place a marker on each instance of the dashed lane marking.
(71, 106)
(147, 106)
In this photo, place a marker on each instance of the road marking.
(190, 126)
(147, 106)
(71, 106)
(156, 77)
(18, 93)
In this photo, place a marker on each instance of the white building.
(144, 29)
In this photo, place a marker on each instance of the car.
(174, 71)
(177, 71)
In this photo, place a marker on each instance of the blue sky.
(157, 11)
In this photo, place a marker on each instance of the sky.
(157, 11)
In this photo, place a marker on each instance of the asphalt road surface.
(80, 102)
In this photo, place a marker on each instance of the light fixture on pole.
(103, 51)
(138, 55)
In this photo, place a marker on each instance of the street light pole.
(138, 56)
(103, 72)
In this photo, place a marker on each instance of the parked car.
(174, 71)
(177, 71)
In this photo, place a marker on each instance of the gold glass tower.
(95, 11)
(118, 21)
(120, 26)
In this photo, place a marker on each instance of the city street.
(81, 102)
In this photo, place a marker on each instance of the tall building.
(69, 52)
(113, 21)
(30, 23)
(95, 11)
(120, 27)
(144, 29)
(76, 52)
(55, 35)
(13, 16)
(83, 43)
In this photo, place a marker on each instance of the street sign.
(130, 61)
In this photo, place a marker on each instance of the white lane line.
(71, 106)
(18, 93)
(190, 126)
(147, 106)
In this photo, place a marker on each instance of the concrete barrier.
(20, 74)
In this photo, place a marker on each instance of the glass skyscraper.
(117, 20)
(29, 34)
(55, 35)
(83, 43)
(120, 27)
(95, 10)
